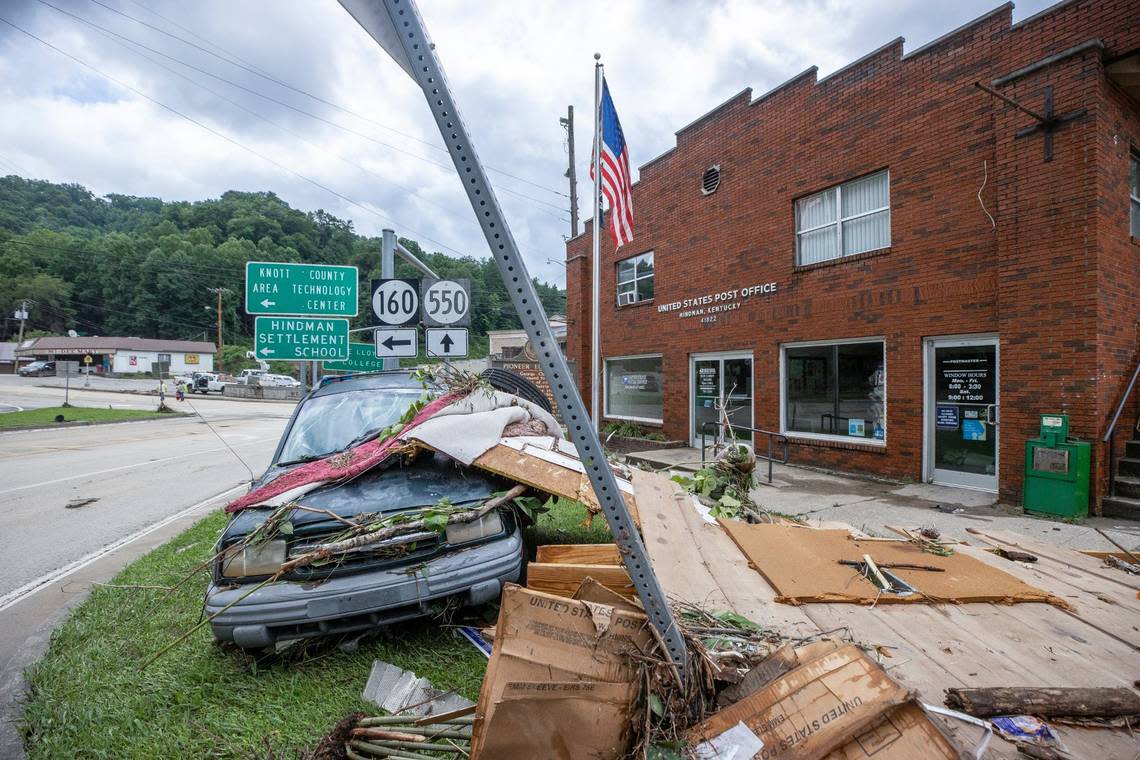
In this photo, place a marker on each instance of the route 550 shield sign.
(446, 303)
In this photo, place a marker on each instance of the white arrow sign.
(446, 343)
(268, 351)
(391, 344)
(267, 303)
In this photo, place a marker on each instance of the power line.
(245, 66)
(271, 99)
(225, 137)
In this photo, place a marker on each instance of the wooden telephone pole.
(219, 292)
(571, 172)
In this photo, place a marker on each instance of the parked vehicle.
(37, 369)
(280, 381)
(374, 585)
(251, 376)
(207, 382)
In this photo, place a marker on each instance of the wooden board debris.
(579, 554)
(563, 579)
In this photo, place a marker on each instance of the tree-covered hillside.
(122, 265)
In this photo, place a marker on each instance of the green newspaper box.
(1057, 470)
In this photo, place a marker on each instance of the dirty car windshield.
(329, 423)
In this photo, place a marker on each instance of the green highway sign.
(319, 290)
(295, 339)
(361, 358)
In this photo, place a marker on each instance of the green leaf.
(435, 521)
(656, 705)
(285, 528)
(729, 502)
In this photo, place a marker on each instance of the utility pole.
(571, 172)
(22, 315)
(218, 292)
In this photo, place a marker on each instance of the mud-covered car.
(377, 584)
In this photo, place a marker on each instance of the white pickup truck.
(207, 382)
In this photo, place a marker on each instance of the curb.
(88, 423)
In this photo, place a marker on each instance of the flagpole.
(596, 268)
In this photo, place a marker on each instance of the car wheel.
(512, 382)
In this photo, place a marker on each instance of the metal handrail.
(771, 436)
(1110, 434)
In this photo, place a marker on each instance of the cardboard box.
(559, 684)
(837, 705)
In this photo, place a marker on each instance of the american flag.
(616, 178)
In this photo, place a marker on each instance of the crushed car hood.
(382, 490)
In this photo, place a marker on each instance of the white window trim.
(840, 220)
(636, 279)
(794, 434)
(606, 389)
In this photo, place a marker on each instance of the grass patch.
(47, 416)
(565, 523)
(87, 697)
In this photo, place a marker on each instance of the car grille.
(393, 552)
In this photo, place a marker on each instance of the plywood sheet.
(696, 562)
(803, 565)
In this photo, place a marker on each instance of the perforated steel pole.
(396, 25)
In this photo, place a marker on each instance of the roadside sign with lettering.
(318, 290)
(295, 339)
(361, 358)
(446, 303)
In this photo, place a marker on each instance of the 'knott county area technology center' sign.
(300, 338)
(316, 290)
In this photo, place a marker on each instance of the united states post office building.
(894, 267)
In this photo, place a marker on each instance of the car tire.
(512, 382)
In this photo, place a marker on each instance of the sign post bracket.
(390, 20)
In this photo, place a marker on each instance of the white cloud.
(514, 68)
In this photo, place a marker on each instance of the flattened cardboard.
(813, 709)
(905, 733)
(802, 565)
(554, 660)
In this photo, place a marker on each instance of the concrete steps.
(1120, 506)
(1126, 502)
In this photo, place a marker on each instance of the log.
(1045, 702)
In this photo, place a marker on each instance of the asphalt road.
(149, 480)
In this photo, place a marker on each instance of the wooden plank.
(697, 562)
(579, 554)
(564, 580)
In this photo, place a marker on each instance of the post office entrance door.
(962, 413)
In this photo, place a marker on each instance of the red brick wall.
(1037, 279)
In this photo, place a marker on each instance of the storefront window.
(836, 389)
(635, 279)
(633, 388)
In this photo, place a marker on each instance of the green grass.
(88, 698)
(47, 416)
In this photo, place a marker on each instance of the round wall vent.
(711, 180)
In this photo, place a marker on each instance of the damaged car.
(266, 588)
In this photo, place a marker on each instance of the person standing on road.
(180, 391)
(161, 393)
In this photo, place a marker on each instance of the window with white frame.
(633, 388)
(635, 279)
(844, 220)
(1134, 192)
(836, 389)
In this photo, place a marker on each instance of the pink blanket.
(343, 466)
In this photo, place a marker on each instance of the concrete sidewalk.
(871, 505)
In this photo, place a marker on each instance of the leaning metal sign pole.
(397, 26)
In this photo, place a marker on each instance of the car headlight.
(487, 525)
(257, 559)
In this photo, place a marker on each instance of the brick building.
(884, 265)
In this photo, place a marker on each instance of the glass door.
(716, 377)
(962, 412)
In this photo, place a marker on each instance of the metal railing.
(772, 438)
(1110, 435)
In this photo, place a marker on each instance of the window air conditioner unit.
(625, 299)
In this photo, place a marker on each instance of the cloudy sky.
(194, 98)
